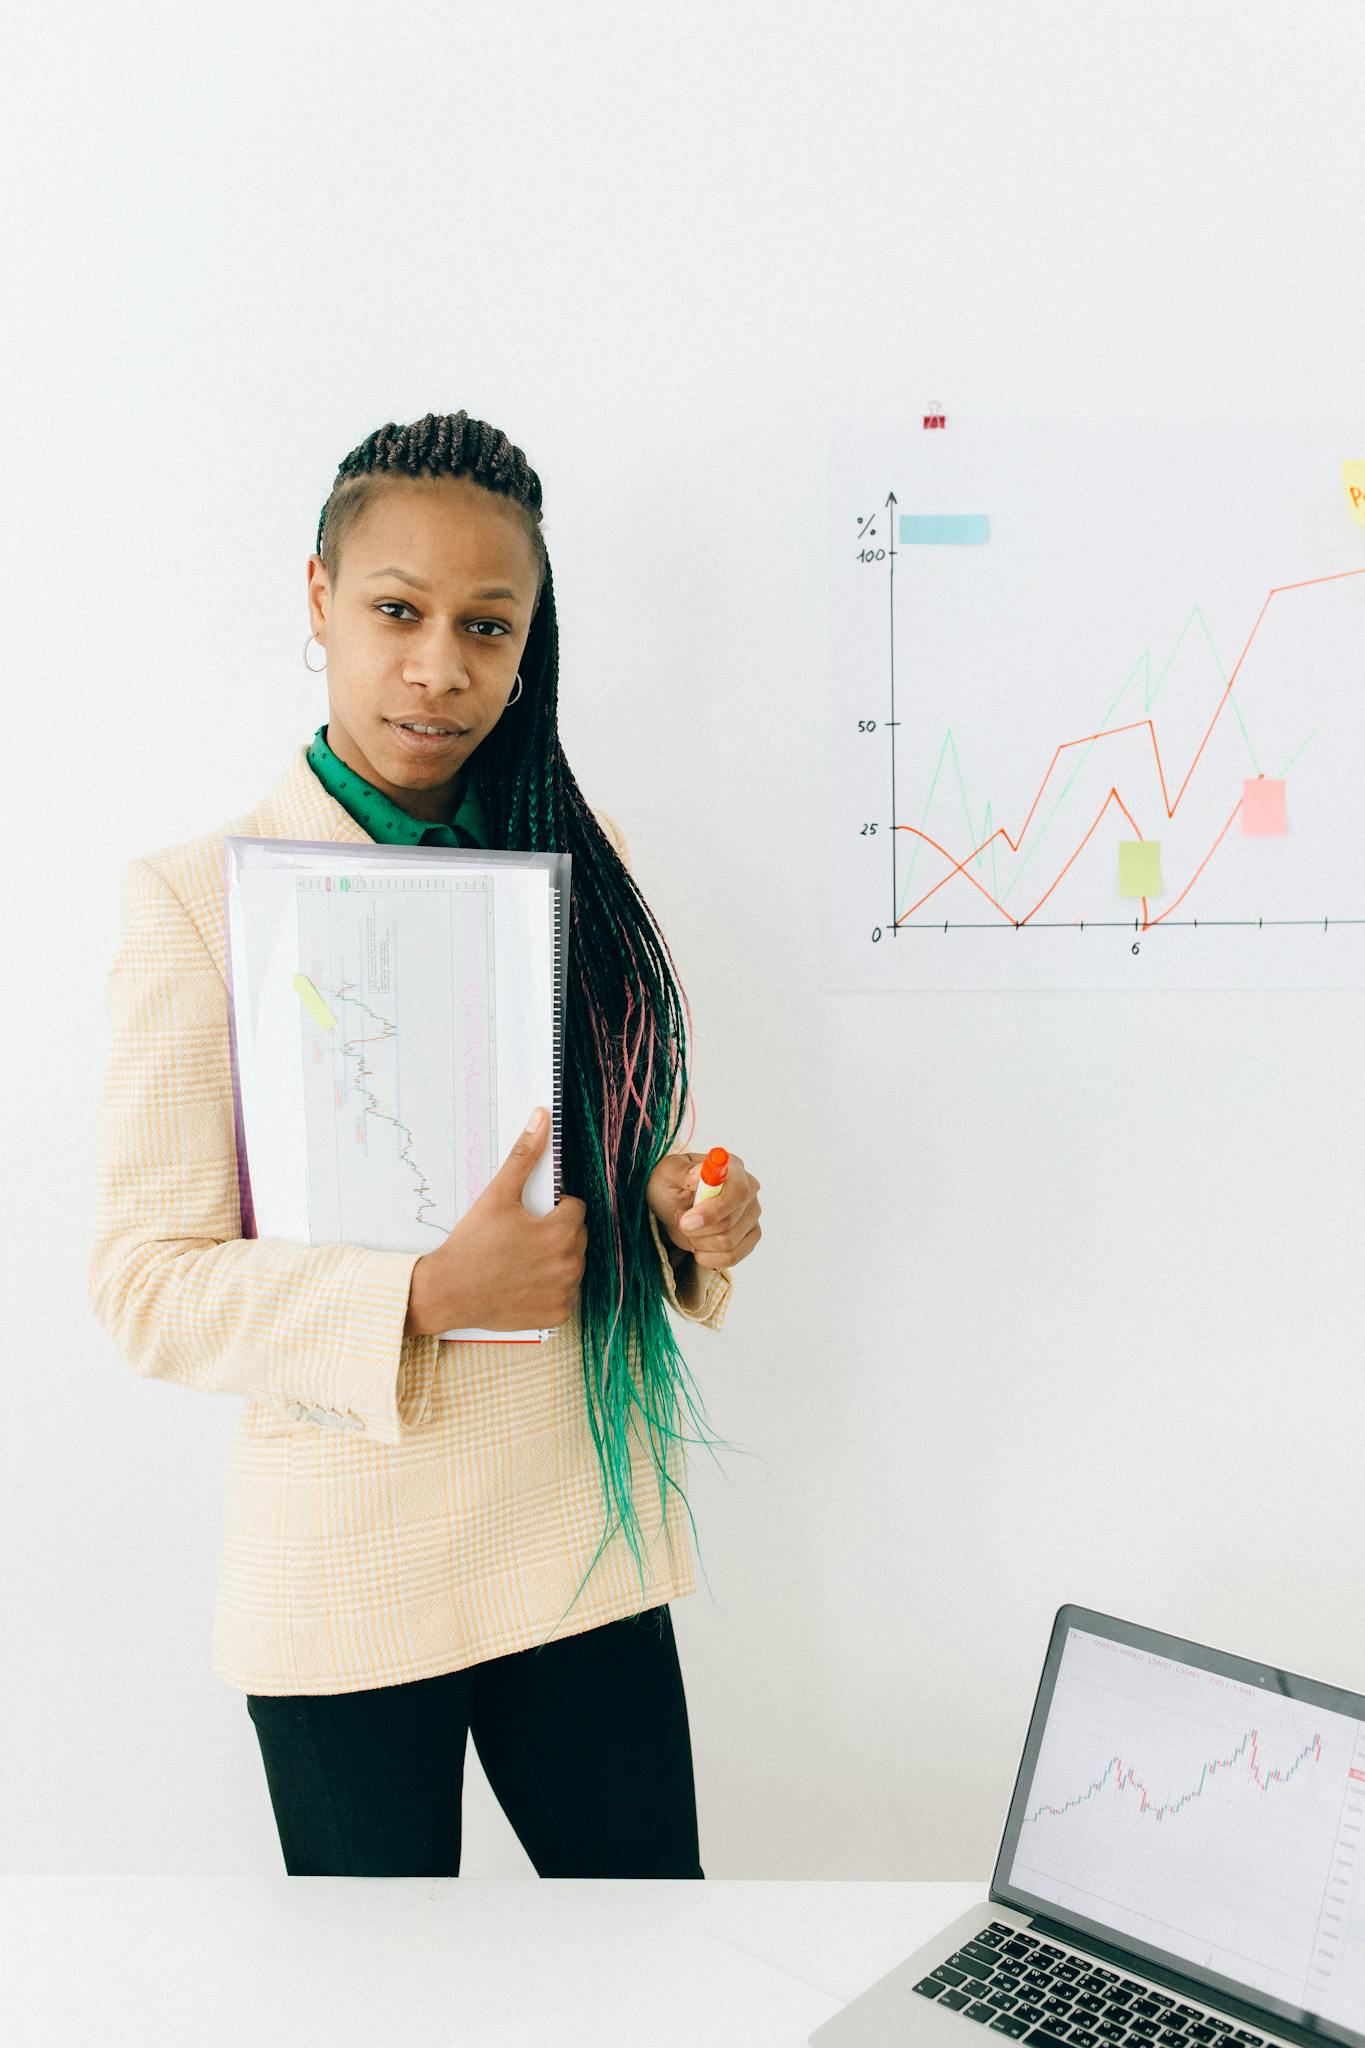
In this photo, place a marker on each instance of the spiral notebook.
(395, 1013)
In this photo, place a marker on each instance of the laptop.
(1182, 1865)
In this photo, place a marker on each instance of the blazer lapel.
(298, 807)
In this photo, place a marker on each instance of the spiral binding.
(557, 1114)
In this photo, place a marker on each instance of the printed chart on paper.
(399, 1069)
(1097, 692)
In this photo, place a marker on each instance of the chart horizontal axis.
(1128, 924)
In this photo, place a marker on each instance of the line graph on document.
(399, 1086)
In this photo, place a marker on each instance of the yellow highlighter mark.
(1353, 477)
(313, 1003)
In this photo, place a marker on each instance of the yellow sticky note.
(313, 1003)
(1353, 476)
(1139, 867)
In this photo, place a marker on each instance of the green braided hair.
(627, 1016)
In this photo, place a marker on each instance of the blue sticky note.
(944, 529)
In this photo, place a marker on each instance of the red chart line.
(1172, 804)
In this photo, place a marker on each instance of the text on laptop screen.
(1205, 1818)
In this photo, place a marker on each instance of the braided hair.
(627, 1016)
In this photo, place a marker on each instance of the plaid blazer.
(396, 1506)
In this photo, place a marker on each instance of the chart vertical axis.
(892, 721)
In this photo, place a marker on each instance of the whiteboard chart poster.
(1099, 696)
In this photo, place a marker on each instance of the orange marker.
(714, 1168)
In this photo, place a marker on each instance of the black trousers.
(585, 1743)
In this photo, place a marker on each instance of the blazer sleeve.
(314, 1330)
(708, 1288)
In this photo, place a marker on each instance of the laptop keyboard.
(1034, 1991)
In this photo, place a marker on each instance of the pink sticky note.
(1263, 808)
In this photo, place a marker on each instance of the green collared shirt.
(385, 820)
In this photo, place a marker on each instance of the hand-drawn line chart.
(1099, 689)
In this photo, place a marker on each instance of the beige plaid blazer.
(396, 1506)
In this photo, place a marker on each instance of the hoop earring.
(307, 663)
(516, 690)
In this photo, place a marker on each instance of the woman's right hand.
(501, 1268)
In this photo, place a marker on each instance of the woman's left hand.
(725, 1228)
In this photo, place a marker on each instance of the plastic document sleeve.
(395, 1013)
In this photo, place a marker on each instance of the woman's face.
(427, 621)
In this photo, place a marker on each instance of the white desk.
(416, 1962)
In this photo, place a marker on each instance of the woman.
(426, 1537)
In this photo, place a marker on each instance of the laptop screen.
(1201, 1811)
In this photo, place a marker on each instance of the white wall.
(658, 247)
